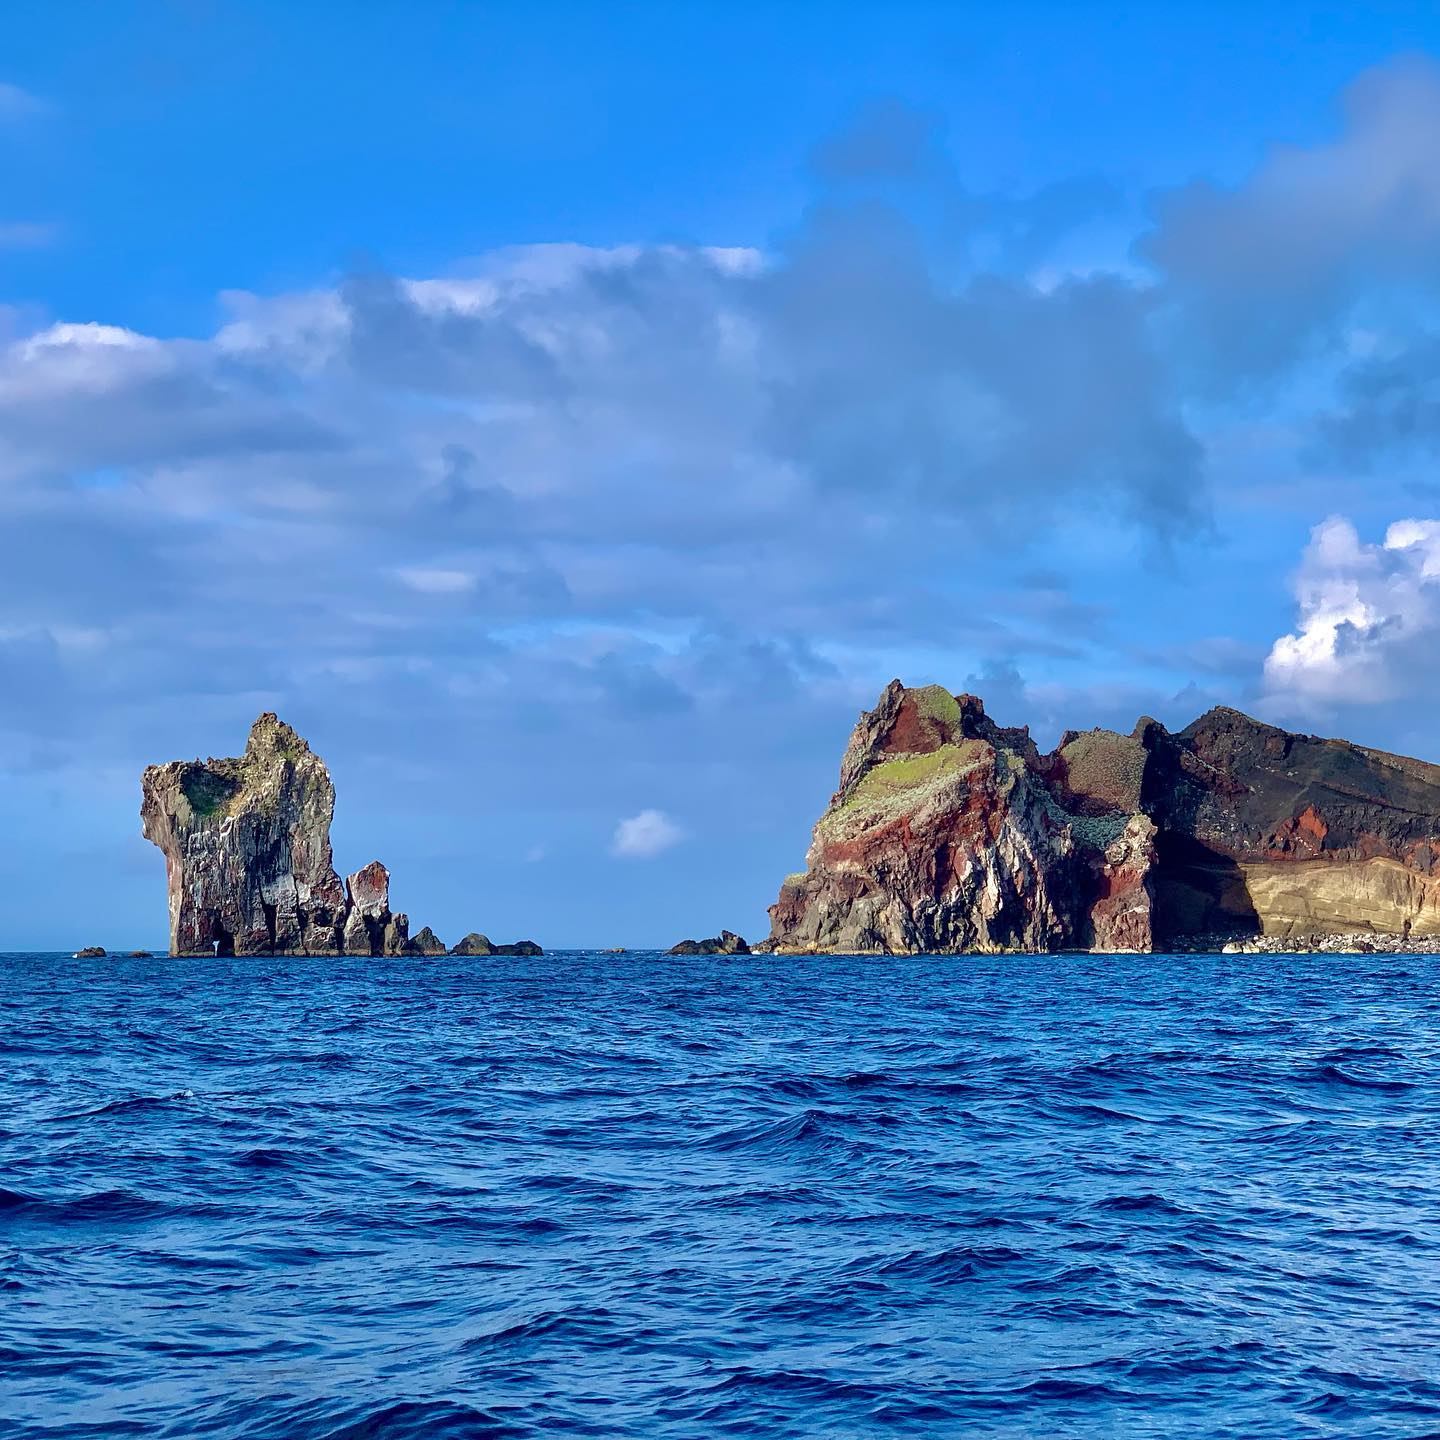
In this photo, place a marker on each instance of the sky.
(569, 417)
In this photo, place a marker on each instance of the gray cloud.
(1261, 274)
(567, 514)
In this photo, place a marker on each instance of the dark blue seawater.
(629, 1196)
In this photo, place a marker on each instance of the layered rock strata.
(949, 833)
(248, 862)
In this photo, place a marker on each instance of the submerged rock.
(248, 861)
(950, 833)
(725, 943)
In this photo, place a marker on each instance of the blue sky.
(570, 416)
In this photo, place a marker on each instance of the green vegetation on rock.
(208, 793)
(935, 702)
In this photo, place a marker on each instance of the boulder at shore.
(950, 833)
(725, 943)
(248, 861)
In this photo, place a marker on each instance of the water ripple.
(628, 1196)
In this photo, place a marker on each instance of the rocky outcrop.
(473, 944)
(248, 860)
(91, 952)
(725, 943)
(427, 943)
(950, 833)
(477, 944)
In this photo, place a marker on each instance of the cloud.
(646, 835)
(1261, 272)
(18, 104)
(27, 234)
(429, 581)
(1369, 618)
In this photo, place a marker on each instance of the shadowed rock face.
(248, 862)
(727, 942)
(949, 833)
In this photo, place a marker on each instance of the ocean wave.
(1022, 1196)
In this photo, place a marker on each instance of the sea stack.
(248, 861)
(949, 833)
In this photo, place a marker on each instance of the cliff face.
(949, 833)
(247, 856)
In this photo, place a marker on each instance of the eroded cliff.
(248, 862)
(950, 833)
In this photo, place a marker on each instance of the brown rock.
(949, 833)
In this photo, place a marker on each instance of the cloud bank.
(566, 525)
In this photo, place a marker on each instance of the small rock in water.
(142, 955)
(477, 944)
(474, 944)
(727, 942)
(426, 943)
(91, 952)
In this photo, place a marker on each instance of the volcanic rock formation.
(949, 833)
(248, 861)
(477, 944)
(727, 942)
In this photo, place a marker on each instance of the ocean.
(631, 1196)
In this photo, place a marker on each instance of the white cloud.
(18, 104)
(26, 234)
(1364, 610)
(430, 581)
(645, 835)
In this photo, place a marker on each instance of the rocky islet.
(248, 861)
(950, 833)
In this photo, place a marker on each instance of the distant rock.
(141, 955)
(725, 943)
(950, 833)
(476, 944)
(91, 952)
(396, 938)
(248, 859)
(426, 943)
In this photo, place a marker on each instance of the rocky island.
(248, 862)
(950, 833)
